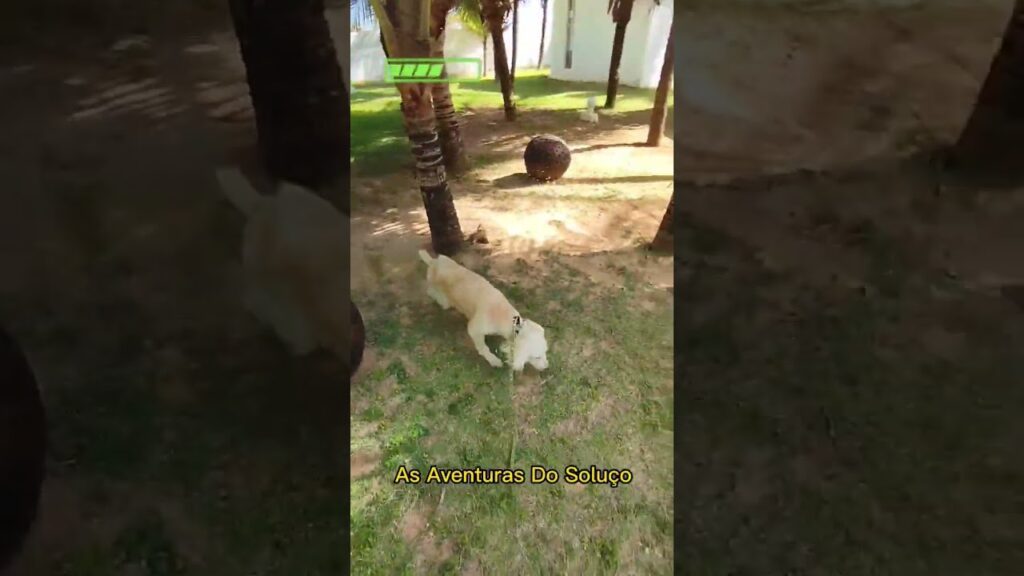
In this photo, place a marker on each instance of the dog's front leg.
(476, 333)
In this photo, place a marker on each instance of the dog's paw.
(495, 362)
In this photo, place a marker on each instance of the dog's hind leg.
(477, 333)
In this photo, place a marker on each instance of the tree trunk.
(993, 138)
(405, 17)
(418, 115)
(515, 40)
(664, 239)
(444, 108)
(621, 17)
(494, 12)
(384, 46)
(448, 128)
(296, 89)
(485, 56)
(501, 71)
(543, 29)
(661, 95)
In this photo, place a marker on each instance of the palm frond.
(361, 14)
(470, 13)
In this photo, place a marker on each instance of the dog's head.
(530, 347)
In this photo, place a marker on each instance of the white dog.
(488, 311)
(295, 258)
(590, 114)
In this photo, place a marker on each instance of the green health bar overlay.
(402, 70)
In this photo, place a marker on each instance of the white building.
(367, 57)
(581, 41)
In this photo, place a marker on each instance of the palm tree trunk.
(448, 128)
(993, 137)
(622, 16)
(661, 95)
(384, 45)
(543, 29)
(444, 108)
(404, 20)
(296, 89)
(515, 40)
(664, 238)
(494, 12)
(418, 115)
(501, 71)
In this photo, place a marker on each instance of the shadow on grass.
(545, 105)
(533, 90)
(523, 180)
(379, 144)
(594, 147)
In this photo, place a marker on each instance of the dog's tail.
(238, 190)
(425, 256)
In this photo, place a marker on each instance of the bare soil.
(850, 323)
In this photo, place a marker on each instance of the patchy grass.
(378, 138)
(606, 401)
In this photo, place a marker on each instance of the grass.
(378, 138)
(605, 401)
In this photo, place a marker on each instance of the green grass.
(378, 139)
(432, 400)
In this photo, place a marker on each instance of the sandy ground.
(805, 202)
(775, 92)
(612, 198)
(772, 91)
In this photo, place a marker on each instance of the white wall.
(367, 56)
(593, 33)
(337, 21)
(657, 40)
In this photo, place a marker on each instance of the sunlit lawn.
(378, 138)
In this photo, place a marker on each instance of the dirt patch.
(471, 568)
(579, 425)
(772, 91)
(363, 463)
(414, 527)
(527, 393)
(612, 198)
(369, 363)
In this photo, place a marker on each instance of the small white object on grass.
(590, 114)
